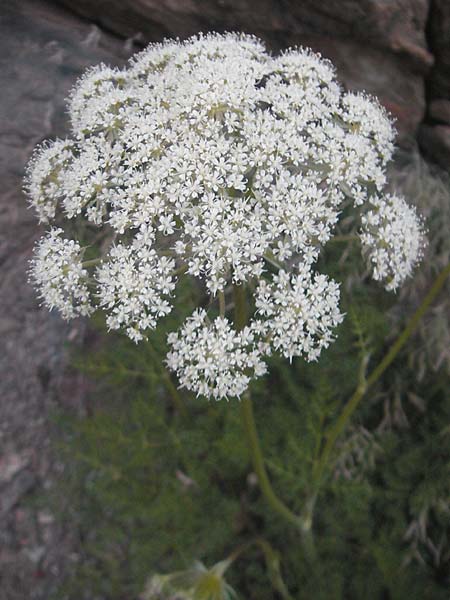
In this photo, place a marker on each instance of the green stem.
(221, 303)
(364, 385)
(91, 263)
(258, 463)
(344, 238)
(269, 257)
(240, 307)
(180, 271)
(257, 457)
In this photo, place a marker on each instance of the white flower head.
(212, 359)
(134, 287)
(45, 176)
(96, 101)
(58, 273)
(213, 158)
(392, 235)
(299, 312)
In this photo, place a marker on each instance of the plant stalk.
(257, 457)
(364, 385)
(222, 304)
(258, 463)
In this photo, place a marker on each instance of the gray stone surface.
(439, 110)
(439, 40)
(43, 49)
(435, 143)
(397, 25)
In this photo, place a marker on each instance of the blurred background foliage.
(153, 489)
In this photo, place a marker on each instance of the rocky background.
(398, 50)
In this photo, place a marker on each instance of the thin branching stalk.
(365, 384)
(344, 238)
(304, 522)
(269, 257)
(91, 263)
(258, 462)
(181, 270)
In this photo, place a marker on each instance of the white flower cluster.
(391, 234)
(46, 172)
(132, 286)
(300, 310)
(213, 157)
(213, 359)
(58, 272)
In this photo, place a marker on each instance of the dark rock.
(398, 25)
(439, 110)
(439, 38)
(434, 141)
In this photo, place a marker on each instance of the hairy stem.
(364, 385)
